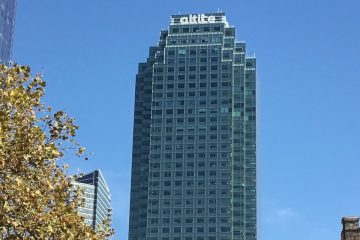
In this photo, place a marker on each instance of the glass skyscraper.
(97, 198)
(194, 143)
(7, 24)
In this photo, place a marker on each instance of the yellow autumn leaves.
(34, 191)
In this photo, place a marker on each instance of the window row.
(189, 220)
(187, 165)
(198, 60)
(195, 29)
(192, 111)
(193, 85)
(180, 147)
(192, 94)
(200, 192)
(191, 230)
(199, 102)
(200, 164)
(197, 40)
(188, 183)
(221, 120)
(200, 155)
(189, 211)
(194, 77)
(181, 130)
(170, 137)
(189, 130)
(197, 238)
(188, 173)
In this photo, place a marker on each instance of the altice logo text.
(199, 18)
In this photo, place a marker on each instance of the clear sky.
(308, 55)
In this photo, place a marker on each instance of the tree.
(35, 190)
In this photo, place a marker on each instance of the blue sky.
(308, 55)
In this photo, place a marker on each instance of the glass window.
(182, 52)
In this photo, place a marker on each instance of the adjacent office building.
(97, 198)
(7, 25)
(351, 229)
(194, 143)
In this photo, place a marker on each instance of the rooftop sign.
(197, 19)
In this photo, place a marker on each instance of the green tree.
(34, 189)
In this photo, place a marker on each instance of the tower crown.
(350, 222)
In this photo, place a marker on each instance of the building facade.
(7, 25)
(194, 142)
(97, 198)
(351, 229)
